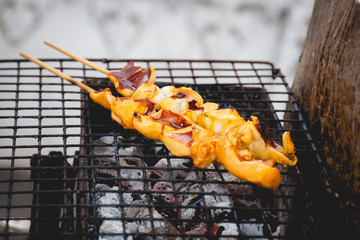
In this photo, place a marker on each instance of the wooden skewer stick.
(78, 58)
(57, 72)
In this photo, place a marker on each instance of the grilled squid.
(188, 126)
(255, 171)
(191, 128)
(152, 126)
(239, 148)
(246, 136)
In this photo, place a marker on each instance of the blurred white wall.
(199, 29)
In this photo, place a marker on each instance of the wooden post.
(327, 88)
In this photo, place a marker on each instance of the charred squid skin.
(131, 77)
(249, 134)
(289, 148)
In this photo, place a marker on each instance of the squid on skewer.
(189, 127)
(221, 135)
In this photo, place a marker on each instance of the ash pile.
(143, 192)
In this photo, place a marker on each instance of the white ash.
(251, 229)
(109, 226)
(131, 150)
(107, 198)
(163, 176)
(143, 225)
(104, 153)
(131, 138)
(163, 226)
(222, 201)
(136, 209)
(229, 229)
(111, 230)
(240, 189)
(134, 178)
(103, 156)
(178, 163)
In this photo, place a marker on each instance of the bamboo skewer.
(78, 58)
(57, 72)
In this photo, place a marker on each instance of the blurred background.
(199, 29)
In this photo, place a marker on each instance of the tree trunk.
(327, 88)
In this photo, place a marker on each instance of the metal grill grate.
(68, 171)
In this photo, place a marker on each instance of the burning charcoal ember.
(196, 228)
(164, 206)
(106, 162)
(193, 211)
(165, 203)
(110, 197)
(162, 226)
(137, 214)
(112, 224)
(189, 202)
(141, 215)
(103, 151)
(163, 176)
(183, 167)
(223, 212)
(129, 170)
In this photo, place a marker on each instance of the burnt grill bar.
(110, 183)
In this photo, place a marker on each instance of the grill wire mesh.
(68, 172)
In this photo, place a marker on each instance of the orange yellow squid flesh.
(194, 142)
(150, 91)
(104, 98)
(189, 94)
(165, 120)
(203, 148)
(193, 113)
(258, 172)
(179, 141)
(130, 78)
(180, 99)
(203, 151)
(123, 110)
(215, 120)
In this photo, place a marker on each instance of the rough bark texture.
(327, 87)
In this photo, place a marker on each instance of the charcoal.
(48, 172)
(112, 224)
